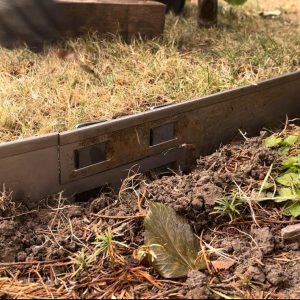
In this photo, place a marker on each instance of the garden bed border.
(171, 136)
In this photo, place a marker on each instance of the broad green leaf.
(290, 140)
(289, 179)
(293, 209)
(285, 192)
(236, 2)
(171, 240)
(273, 141)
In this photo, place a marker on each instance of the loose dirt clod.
(264, 239)
(197, 283)
(291, 233)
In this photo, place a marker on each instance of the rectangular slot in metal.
(162, 134)
(90, 155)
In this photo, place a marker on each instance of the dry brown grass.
(7, 206)
(41, 93)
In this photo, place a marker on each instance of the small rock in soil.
(100, 203)
(209, 193)
(199, 292)
(291, 233)
(292, 247)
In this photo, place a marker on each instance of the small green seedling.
(283, 144)
(106, 245)
(80, 261)
(228, 206)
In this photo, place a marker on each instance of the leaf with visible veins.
(172, 241)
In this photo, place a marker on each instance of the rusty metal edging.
(83, 159)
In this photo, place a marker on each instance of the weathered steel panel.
(30, 168)
(122, 146)
(288, 85)
(203, 124)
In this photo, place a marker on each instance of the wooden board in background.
(126, 17)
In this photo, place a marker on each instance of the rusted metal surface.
(100, 154)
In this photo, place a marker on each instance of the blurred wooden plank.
(126, 17)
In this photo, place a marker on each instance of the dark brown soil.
(37, 245)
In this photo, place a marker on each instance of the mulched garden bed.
(91, 249)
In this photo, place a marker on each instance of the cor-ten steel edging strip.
(203, 123)
(31, 167)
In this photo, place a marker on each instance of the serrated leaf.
(293, 209)
(289, 179)
(290, 162)
(236, 2)
(273, 141)
(170, 238)
(290, 140)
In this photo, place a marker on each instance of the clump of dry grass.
(7, 206)
(42, 93)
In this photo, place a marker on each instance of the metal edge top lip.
(29, 144)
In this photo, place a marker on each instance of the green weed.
(228, 206)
